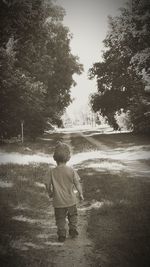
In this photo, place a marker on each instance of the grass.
(46, 143)
(120, 228)
(20, 245)
(43, 144)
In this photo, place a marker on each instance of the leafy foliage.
(21, 99)
(123, 75)
(36, 68)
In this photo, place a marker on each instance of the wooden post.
(22, 131)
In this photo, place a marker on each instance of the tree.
(37, 65)
(123, 76)
(22, 99)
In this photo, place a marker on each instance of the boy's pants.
(60, 216)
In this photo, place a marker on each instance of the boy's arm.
(49, 190)
(78, 185)
(48, 185)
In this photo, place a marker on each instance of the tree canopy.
(123, 74)
(37, 66)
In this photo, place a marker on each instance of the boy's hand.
(81, 197)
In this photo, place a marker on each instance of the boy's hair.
(62, 153)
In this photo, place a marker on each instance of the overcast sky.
(88, 22)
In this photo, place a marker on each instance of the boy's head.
(62, 153)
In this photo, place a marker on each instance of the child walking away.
(62, 182)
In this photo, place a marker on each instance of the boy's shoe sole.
(61, 239)
(73, 233)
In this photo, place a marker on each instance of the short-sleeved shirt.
(63, 180)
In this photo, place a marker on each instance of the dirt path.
(75, 252)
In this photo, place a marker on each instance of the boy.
(61, 184)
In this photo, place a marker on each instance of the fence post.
(22, 131)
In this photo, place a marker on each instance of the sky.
(88, 22)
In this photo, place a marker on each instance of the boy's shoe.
(61, 238)
(73, 233)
